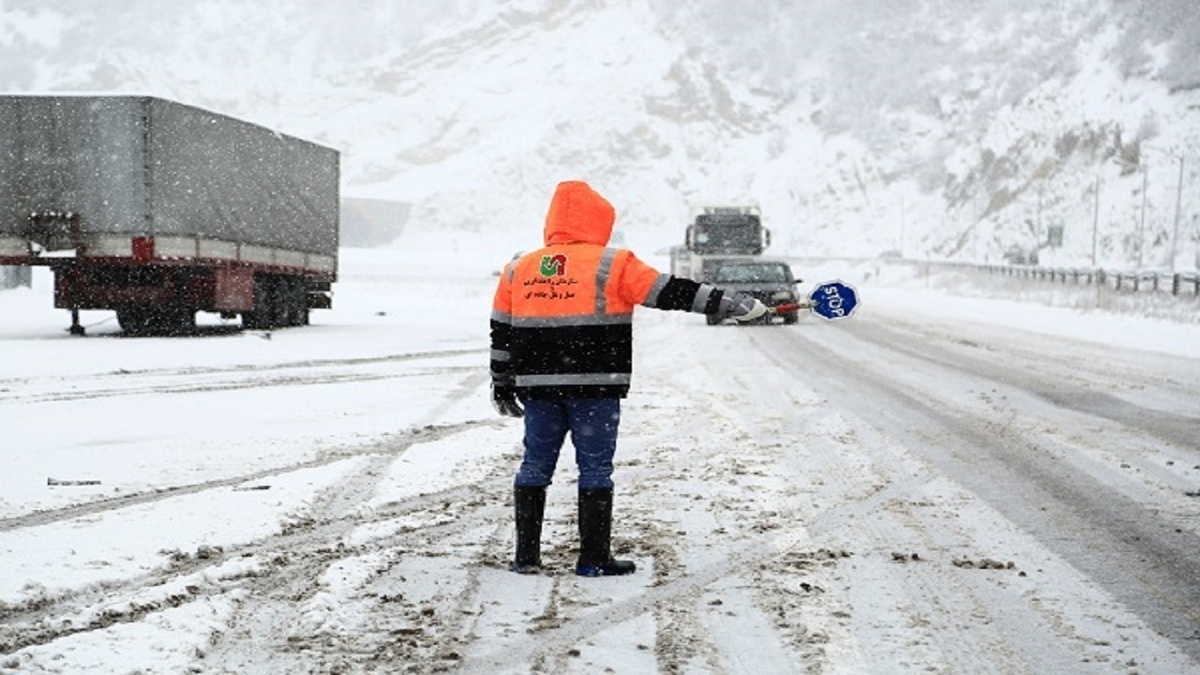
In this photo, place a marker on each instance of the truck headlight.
(782, 296)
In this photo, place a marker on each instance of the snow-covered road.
(1089, 453)
(928, 487)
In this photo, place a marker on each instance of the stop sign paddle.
(834, 300)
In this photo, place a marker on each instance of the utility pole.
(1178, 202)
(1142, 225)
(1096, 222)
(1037, 228)
(975, 228)
(1178, 207)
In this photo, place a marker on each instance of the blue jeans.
(593, 426)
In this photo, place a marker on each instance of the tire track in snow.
(423, 430)
(1121, 545)
(58, 389)
(689, 625)
(591, 622)
(289, 561)
(389, 634)
(1050, 379)
(391, 447)
(27, 625)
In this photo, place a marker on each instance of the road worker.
(561, 358)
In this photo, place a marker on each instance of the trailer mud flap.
(319, 300)
(234, 291)
(320, 295)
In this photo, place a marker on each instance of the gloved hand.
(743, 307)
(504, 400)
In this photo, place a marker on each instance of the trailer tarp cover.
(146, 166)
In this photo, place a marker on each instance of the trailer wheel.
(279, 302)
(263, 315)
(133, 321)
(295, 302)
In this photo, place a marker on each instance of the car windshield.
(751, 273)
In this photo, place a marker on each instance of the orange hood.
(578, 215)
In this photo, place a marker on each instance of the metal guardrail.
(1183, 284)
(1175, 283)
(1168, 296)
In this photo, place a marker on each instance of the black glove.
(504, 400)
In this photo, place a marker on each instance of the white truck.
(719, 231)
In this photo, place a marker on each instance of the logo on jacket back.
(554, 265)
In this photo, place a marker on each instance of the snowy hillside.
(954, 130)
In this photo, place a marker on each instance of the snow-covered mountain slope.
(946, 129)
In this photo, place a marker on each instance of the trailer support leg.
(76, 327)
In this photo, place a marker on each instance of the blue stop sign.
(834, 300)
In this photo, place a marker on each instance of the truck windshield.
(728, 234)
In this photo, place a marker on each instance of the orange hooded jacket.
(562, 315)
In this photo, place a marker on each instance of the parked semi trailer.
(159, 210)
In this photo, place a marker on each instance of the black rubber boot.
(595, 535)
(530, 506)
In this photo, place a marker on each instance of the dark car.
(767, 279)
